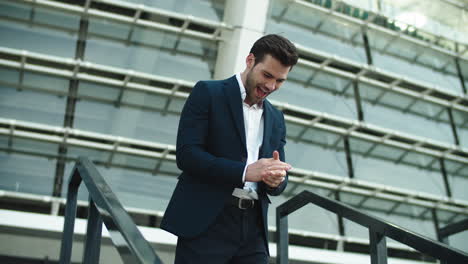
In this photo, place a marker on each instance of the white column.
(249, 19)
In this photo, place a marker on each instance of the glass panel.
(461, 123)
(34, 146)
(176, 105)
(93, 154)
(104, 28)
(398, 175)
(413, 211)
(424, 227)
(428, 16)
(98, 91)
(323, 138)
(15, 11)
(355, 230)
(459, 241)
(456, 168)
(422, 161)
(401, 60)
(293, 130)
(47, 83)
(351, 198)
(169, 168)
(317, 99)
(37, 177)
(383, 97)
(445, 216)
(310, 217)
(365, 148)
(378, 205)
(32, 106)
(300, 24)
(9, 77)
(148, 192)
(47, 34)
(135, 162)
(317, 158)
(150, 51)
(126, 122)
(458, 185)
(458, 178)
(133, 188)
(395, 119)
(332, 83)
(208, 9)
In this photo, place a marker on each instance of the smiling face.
(263, 78)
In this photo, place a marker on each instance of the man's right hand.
(266, 167)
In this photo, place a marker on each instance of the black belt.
(243, 203)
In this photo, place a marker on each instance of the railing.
(378, 231)
(452, 229)
(103, 207)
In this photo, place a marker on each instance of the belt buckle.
(240, 203)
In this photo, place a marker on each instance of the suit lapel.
(234, 98)
(267, 128)
(268, 121)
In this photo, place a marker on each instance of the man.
(230, 148)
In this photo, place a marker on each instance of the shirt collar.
(244, 93)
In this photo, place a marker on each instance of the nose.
(270, 85)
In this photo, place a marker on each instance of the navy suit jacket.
(212, 154)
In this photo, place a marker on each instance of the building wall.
(133, 77)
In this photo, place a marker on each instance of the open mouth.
(261, 93)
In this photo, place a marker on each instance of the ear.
(250, 61)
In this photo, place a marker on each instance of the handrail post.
(104, 207)
(378, 230)
(70, 215)
(92, 247)
(378, 247)
(282, 238)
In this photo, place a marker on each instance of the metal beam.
(435, 220)
(92, 245)
(367, 48)
(357, 99)
(454, 228)
(349, 160)
(380, 29)
(442, 97)
(70, 106)
(86, 66)
(448, 190)
(146, 149)
(460, 75)
(378, 247)
(86, 11)
(341, 227)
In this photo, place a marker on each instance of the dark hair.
(278, 47)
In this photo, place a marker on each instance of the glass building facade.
(376, 109)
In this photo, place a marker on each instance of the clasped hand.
(269, 170)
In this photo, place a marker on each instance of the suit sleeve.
(192, 139)
(278, 190)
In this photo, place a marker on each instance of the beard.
(250, 87)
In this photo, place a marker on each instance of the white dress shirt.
(253, 124)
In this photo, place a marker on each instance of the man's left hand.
(274, 177)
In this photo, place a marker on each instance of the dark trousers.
(235, 237)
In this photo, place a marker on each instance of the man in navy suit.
(230, 148)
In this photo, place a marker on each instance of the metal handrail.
(378, 231)
(104, 207)
(452, 229)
